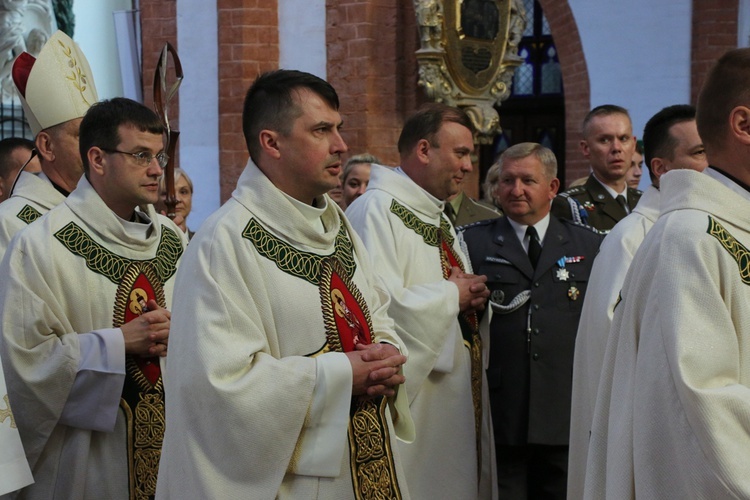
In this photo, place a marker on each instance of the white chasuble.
(607, 275)
(91, 418)
(672, 414)
(14, 469)
(33, 196)
(413, 248)
(259, 391)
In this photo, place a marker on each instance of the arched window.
(535, 111)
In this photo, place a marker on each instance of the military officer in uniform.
(605, 199)
(537, 267)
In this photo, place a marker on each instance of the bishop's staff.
(162, 97)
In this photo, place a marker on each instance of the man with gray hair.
(537, 267)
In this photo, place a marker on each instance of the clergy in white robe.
(411, 244)
(33, 196)
(672, 416)
(91, 418)
(605, 282)
(270, 292)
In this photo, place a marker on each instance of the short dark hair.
(7, 146)
(101, 122)
(657, 141)
(270, 104)
(603, 110)
(726, 87)
(426, 122)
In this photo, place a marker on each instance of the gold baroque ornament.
(468, 53)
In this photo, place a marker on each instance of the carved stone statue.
(468, 53)
(430, 21)
(25, 25)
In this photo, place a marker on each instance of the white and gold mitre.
(55, 87)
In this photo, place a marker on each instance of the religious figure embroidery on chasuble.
(734, 247)
(441, 238)
(348, 323)
(28, 214)
(142, 399)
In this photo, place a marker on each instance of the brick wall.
(371, 63)
(159, 26)
(714, 32)
(248, 46)
(575, 82)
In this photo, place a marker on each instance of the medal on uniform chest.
(561, 273)
(573, 292)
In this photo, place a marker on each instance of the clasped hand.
(472, 290)
(376, 369)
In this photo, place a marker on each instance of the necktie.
(624, 204)
(535, 248)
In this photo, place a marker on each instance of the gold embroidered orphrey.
(371, 457)
(734, 247)
(468, 54)
(143, 405)
(441, 238)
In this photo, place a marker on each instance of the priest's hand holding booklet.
(147, 335)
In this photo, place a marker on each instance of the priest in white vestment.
(671, 142)
(284, 380)
(434, 297)
(82, 300)
(672, 419)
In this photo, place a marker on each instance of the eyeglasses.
(144, 158)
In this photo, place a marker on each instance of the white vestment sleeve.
(14, 469)
(324, 435)
(94, 399)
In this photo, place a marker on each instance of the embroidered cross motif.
(7, 414)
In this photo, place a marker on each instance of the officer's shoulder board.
(582, 226)
(574, 191)
(461, 229)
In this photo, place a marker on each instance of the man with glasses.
(83, 298)
(54, 104)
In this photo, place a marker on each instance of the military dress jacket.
(595, 206)
(531, 348)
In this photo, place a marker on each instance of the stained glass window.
(539, 73)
